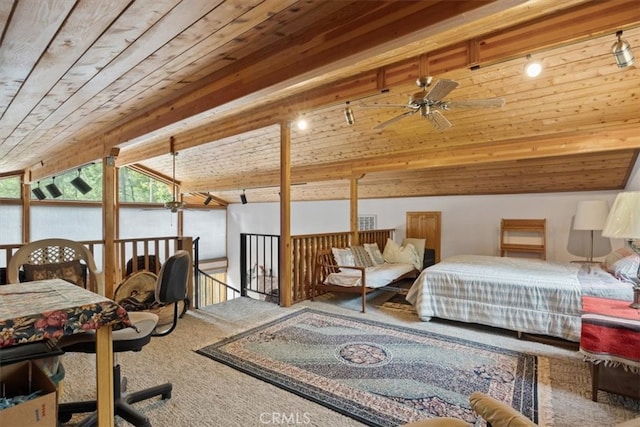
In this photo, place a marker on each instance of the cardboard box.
(39, 412)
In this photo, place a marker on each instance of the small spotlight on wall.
(53, 189)
(243, 198)
(348, 115)
(208, 199)
(532, 68)
(80, 184)
(622, 52)
(38, 192)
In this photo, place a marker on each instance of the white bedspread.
(524, 295)
(375, 277)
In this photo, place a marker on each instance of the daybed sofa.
(363, 268)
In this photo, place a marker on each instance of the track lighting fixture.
(243, 198)
(208, 199)
(622, 52)
(80, 184)
(532, 68)
(53, 189)
(348, 115)
(38, 192)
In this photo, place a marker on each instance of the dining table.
(50, 309)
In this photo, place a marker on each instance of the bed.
(519, 294)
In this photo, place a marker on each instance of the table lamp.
(591, 215)
(623, 222)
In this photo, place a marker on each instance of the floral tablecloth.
(52, 308)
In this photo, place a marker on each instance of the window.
(10, 187)
(366, 222)
(137, 187)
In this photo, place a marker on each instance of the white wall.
(470, 224)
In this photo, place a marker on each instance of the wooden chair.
(51, 254)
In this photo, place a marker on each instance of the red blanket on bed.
(610, 332)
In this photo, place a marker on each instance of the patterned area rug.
(381, 374)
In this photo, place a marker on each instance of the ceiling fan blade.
(438, 120)
(474, 103)
(393, 120)
(440, 89)
(384, 106)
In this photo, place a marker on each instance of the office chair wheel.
(166, 395)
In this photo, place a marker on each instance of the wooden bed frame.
(326, 264)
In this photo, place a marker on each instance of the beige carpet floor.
(207, 393)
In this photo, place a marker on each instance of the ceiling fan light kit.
(430, 102)
(622, 52)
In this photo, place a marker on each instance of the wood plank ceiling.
(216, 80)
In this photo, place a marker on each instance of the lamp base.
(636, 298)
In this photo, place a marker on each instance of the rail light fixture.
(208, 199)
(53, 189)
(80, 184)
(243, 198)
(532, 68)
(348, 115)
(622, 52)
(38, 192)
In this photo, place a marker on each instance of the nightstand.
(610, 342)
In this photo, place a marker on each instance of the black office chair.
(171, 288)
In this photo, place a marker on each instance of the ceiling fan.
(429, 103)
(174, 205)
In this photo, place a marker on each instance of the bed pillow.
(374, 253)
(343, 257)
(396, 254)
(626, 269)
(71, 271)
(419, 244)
(361, 256)
(616, 256)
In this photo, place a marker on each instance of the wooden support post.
(353, 212)
(285, 214)
(109, 221)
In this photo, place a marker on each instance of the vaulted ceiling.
(219, 82)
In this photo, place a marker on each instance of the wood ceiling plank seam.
(70, 42)
(183, 64)
(88, 66)
(181, 16)
(22, 48)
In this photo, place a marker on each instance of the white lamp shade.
(591, 215)
(623, 221)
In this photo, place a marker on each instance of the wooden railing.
(305, 247)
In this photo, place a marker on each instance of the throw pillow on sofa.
(374, 253)
(361, 256)
(396, 254)
(343, 257)
(419, 244)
